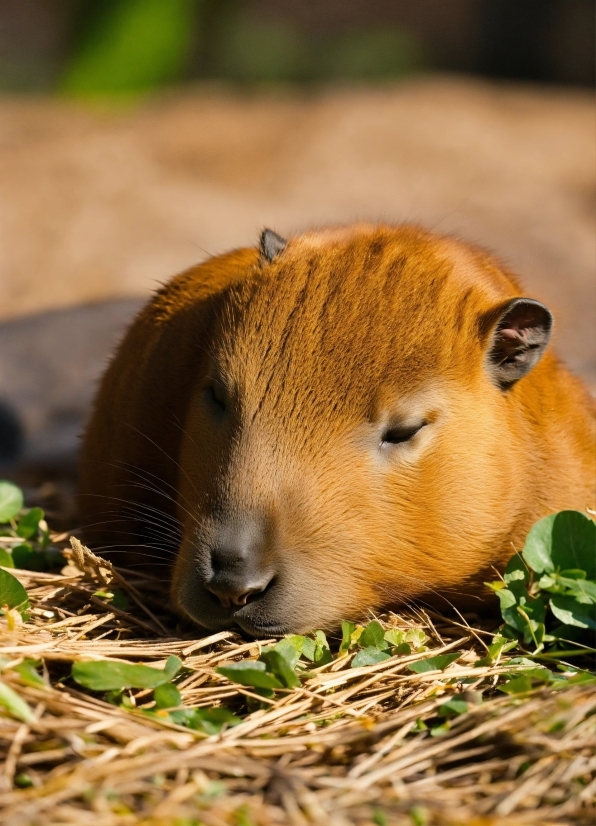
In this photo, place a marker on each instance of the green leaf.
(537, 551)
(523, 612)
(6, 560)
(516, 577)
(569, 611)
(562, 541)
(317, 650)
(11, 701)
(295, 640)
(212, 720)
(250, 673)
(573, 573)
(309, 649)
(415, 637)
(534, 671)
(438, 663)
(517, 685)
(321, 639)
(29, 674)
(278, 665)
(574, 543)
(506, 598)
(106, 675)
(11, 501)
(347, 629)
(584, 590)
(402, 650)
(322, 652)
(290, 648)
(373, 636)
(369, 656)
(395, 636)
(27, 559)
(12, 593)
(547, 581)
(454, 706)
(500, 645)
(167, 696)
(29, 523)
(582, 678)
(356, 634)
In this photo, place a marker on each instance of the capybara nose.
(238, 565)
(237, 579)
(230, 593)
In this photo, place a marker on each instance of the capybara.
(348, 420)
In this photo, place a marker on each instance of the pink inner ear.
(507, 342)
(519, 339)
(511, 340)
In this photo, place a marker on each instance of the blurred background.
(98, 46)
(139, 136)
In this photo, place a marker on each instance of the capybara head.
(353, 432)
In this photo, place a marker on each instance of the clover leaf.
(107, 675)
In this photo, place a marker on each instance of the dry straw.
(344, 748)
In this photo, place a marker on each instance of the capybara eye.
(215, 397)
(397, 435)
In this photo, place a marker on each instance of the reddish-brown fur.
(344, 330)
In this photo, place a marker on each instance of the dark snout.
(240, 566)
(238, 577)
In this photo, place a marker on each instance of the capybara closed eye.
(351, 419)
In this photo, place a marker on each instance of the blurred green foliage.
(132, 46)
(256, 50)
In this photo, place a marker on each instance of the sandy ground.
(97, 204)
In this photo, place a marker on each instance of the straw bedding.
(349, 746)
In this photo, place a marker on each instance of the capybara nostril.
(230, 596)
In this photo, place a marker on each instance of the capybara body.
(356, 418)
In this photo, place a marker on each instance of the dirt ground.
(105, 203)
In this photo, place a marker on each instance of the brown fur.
(344, 330)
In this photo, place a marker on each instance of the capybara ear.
(521, 332)
(271, 245)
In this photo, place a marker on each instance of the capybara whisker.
(165, 453)
(121, 549)
(142, 474)
(163, 542)
(146, 477)
(314, 429)
(167, 496)
(158, 513)
(131, 503)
